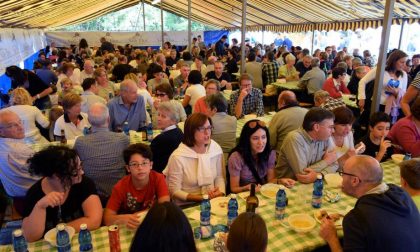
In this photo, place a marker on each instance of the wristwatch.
(38, 96)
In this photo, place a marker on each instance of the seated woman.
(212, 87)
(62, 195)
(165, 228)
(166, 142)
(335, 84)
(341, 139)
(248, 232)
(252, 160)
(165, 93)
(195, 91)
(137, 191)
(21, 102)
(195, 167)
(288, 70)
(73, 121)
(406, 132)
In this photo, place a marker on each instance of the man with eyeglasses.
(247, 100)
(14, 153)
(305, 151)
(384, 217)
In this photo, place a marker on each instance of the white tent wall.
(16, 45)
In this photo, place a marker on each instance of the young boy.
(137, 191)
(410, 179)
(377, 145)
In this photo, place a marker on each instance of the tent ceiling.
(218, 13)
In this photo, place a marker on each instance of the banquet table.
(280, 238)
(289, 85)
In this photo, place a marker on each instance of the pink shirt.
(405, 134)
(201, 106)
(333, 90)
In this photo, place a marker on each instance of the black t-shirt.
(373, 149)
(70, 210)
(120, 70)
(300, 67)
(212, 75)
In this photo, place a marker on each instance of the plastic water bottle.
(232, 209)
(85, 239)
(317, 193)
(19, 242)
(281, 202)
(149, 133)
(205, 208)
(126, 128)
(63, 239)
(86, 131)
(407, 156)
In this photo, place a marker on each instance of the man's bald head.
(366, 167)
(10, 125)
(98, 115)
(287, 98)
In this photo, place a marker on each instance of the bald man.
(128, 107)
(384, 218)
(288, 118)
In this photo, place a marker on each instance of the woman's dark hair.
(186, 56)
(165, 228)
(248, 232)
(244, 145)
(167, 89)
(83, 44)
(17, 74)
(378, 117)
(55, 160)
(195, 77)
(139, 148)
(415, 108)
(395, 56)
(315, 115)
(337, 71)
(343, 115)
(192, 123)
(217, 101)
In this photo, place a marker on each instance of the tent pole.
(401, 34)
(189, 25)
(380, 68)
(312, 44)
(161, 21)
(243, 37)
(144, 17)
(262, 40)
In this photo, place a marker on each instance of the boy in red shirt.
(137, 191)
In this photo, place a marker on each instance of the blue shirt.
(47, 76)
(119, 113)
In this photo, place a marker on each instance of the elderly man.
(304, 65)
(384, 217)
(101, 151)
(218, 74)
(312, 80)
(88, 69)
(288, 118)
(128, 107)
(14, 153)
(246, 100)
(304, 152)
(90, 94)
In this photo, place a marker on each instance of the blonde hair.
(70, 100)
(66, 80)
(21, 96)
(131, 76)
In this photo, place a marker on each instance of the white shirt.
(195, 92)
(83, 76)
(89, 98)
(71, 131)
(203, 69)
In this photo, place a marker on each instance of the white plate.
(338, 223)
(270, 190)
(333, 179)
(51, 236)
(219, 205)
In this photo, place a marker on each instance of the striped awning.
(272, 15)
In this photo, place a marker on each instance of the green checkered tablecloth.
(280, 238)
(290, 85)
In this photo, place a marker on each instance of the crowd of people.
(97, 93)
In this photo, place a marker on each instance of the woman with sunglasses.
(195, 168)
(62, 195)
(252, 160)
(165, 93)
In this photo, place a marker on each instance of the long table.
(280, 238)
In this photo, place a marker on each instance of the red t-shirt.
(126, 199)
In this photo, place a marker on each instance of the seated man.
(304, 152)
(312, 80)
(90, 94)
(100, 152)
(137, 191)
(181, 81)
(410, 179)
(246, 100)
(128, 107)
(323, 100)
(384, 218)
(14, 153)
(218, 74)
(282, 122)
(304, 65)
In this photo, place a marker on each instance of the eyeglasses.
(253, 124)
(139, 165)
(202, 128)
(330, 127)
(160, 94)
(341, 173)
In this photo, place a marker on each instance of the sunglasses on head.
(253, 124)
